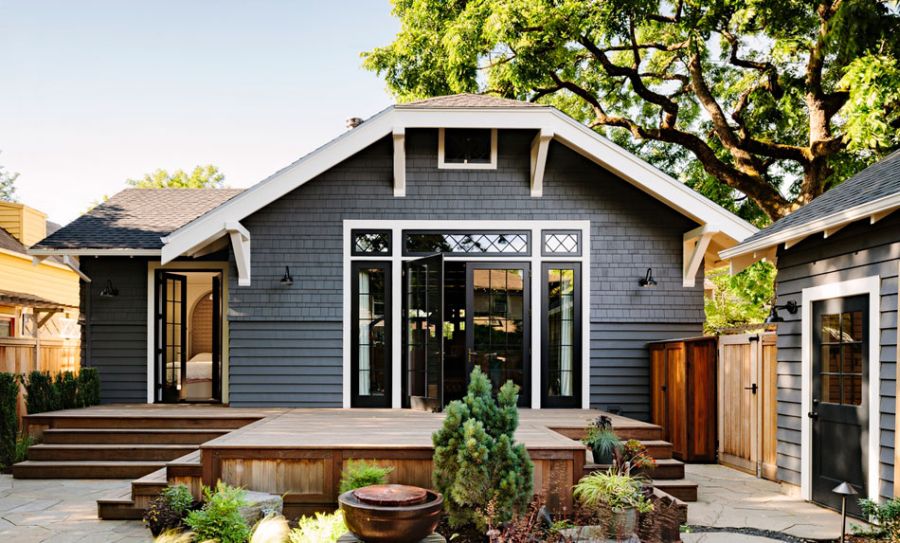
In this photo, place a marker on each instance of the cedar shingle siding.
(859, 250)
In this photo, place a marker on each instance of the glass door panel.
(172, 333)
(496, 325)
(371, 356)
(423, 297)
(561, 340)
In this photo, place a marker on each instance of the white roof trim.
(570, 132)
(875, 209)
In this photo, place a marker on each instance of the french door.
(498, 323)
(561, 334)
(171, 350)
(424, 339)
(840, 406)
(371, 324)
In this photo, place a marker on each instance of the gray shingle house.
(381, 268)
(838, 260)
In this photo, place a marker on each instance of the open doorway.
(188, 336)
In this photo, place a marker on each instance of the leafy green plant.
(360, 473)
(9, 420)
(88, 387)
(634, 456)
(67, 390)
(612, 490)
(219, 518)
(22, 444)
(167, 511)
(320, 528)
(39, 393)
(887, 517)
(481, 471)
(602, 440)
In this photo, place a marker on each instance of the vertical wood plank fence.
(24, 355)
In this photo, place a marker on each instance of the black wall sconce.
(287, 279)
(109, 291)
(774, 317)
(648, 281)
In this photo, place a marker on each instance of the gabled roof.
(134, 219)
(873, 192)
(10, 243)
(718, 226)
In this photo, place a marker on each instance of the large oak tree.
(760, 104)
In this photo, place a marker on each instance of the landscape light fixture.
(843, 490)
(109, 291)
(648, 281)
(287, 279)
(774, 317)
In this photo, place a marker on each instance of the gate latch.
(752, 388)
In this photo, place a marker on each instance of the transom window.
(467, 148)
(466, 243)
(842, 358)
(371, 242)
(561, 242)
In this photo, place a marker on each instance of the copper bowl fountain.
(391, 513)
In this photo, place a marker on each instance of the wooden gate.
(748, 417)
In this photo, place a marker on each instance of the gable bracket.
(240, 244)
(399, 136)
(539, 147)
(695, 244)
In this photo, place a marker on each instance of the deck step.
(119, 506)
(84, 469)
(666, 468)
(683, 489)
(643, 432)
(161, 436)
(658, 449)
(120, 451)
(144, 421)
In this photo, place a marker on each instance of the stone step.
(683, 489)
(160, 436)
(119, 451)
(84, 469)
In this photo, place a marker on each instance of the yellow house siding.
(11, 219)
(17, 274)
(26, 224)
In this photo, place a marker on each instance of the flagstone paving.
(733, 499)
(61, 511)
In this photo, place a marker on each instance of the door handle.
(752, 388)
(813, 415)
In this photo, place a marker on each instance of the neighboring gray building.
(381, 268)
(838, 260)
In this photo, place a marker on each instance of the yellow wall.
(26, 224)
(53, 282)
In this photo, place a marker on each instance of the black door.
(561, 334)
(371, 316)
(840, 403)
(171, 352)
(423, 310)
(217, 337)
(497, 323)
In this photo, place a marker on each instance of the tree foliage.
(201, 177)
(8, 185)
(482, 473)
(739, 299)
(761, 104)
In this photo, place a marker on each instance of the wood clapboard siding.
(51, 282)
(114, 336)
(859, 250)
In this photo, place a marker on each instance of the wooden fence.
(748, 414)
(24, 355)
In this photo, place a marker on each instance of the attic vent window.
(467, 148)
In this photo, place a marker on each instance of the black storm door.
(840, 405)
(172, 335)
(424, 346)
(497, 323)
(561, 334)
(371, 315)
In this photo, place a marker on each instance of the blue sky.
(95, 92)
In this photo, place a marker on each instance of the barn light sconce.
(287, 279)
(774, 317)
(648, 281)
(109, 291)
(843, 490)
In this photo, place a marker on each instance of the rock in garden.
(260, 504)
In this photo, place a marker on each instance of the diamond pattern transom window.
(561, 243)
(372, 243)
(468, 243)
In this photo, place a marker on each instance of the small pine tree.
(478, 467)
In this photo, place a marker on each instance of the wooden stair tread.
(673, 482)
(192, 457)
(138, 430)
(67, 463)
(112, 446)
(153, 478)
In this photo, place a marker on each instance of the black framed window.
(421, 243)
(561, 334)
(842, 360)
(370, 242)
(561, 243)
(371, 345)
(467, 146)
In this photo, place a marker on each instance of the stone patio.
(733, 499)
(61, 511)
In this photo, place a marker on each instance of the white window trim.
(872, 287)
(492, 165)
(534, 259)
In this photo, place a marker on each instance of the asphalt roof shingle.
(136, 219)
(466, 100)
(878, 181)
